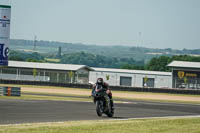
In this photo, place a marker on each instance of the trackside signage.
(5, 15)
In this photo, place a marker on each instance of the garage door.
(125, 81)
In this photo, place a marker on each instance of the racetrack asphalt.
(33, 111)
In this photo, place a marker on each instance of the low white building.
(46, 72)
(133, 78)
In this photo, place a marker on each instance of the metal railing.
(24, 77)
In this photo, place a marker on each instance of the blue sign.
(3, 55)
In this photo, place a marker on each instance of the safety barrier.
(10, 91)
(1, 91)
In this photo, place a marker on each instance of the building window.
(125, 81)
(8, 71)
(26, 72)
(148, 82)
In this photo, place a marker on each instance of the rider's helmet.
(100, 81)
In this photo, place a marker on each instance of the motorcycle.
(102, 101)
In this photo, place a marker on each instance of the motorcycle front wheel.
(99, 109)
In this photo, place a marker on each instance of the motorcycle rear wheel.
(110, 113)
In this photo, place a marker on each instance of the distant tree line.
(114, 52)
(92, 60)
(81, 58)
(25, 56)
(160, 63)
(97, 60)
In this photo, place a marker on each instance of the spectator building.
(185, 74)
(46, 72)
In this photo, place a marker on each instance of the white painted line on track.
(169, 103)
(127, 102)
(185, 116)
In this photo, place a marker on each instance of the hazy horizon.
(153, 24)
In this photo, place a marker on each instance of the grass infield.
(164, 125)
(52, 98)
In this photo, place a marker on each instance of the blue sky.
(146, 23)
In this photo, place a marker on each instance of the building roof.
(49, 66)
(184, 64)
(5, 6)
(132, 71)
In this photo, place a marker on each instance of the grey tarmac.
(34, 111)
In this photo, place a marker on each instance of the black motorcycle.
(102, 101)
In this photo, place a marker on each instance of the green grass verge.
(42, 87)
(183, 125)
(54, 98)
(58, 94)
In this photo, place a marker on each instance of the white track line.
(186, 116)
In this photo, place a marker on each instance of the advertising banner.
(5, 15)
(189, 74)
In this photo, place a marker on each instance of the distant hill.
(136, 53)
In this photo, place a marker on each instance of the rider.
(106, 86)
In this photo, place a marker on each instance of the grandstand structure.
(47, 72)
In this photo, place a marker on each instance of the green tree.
(158, 64)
